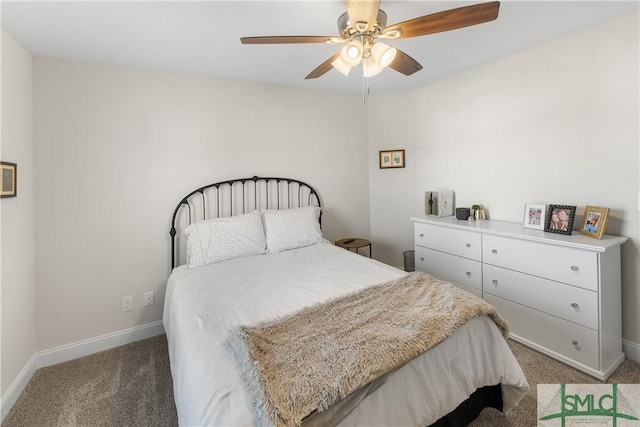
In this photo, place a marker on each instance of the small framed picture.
(534, 216)
(9, 179)
(560, 219)
(594, 221)
(391, 159)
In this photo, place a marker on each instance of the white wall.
(558, 123)
(117, 148)
(392, 126)
(18, 285)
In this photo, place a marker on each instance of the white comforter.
(203, 304)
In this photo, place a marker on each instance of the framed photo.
(560, 219)
(9, 179)
(391, 159)
(594, 221)
(534, 216)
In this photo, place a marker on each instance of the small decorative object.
(438, 203)
(478, 212)
(431, 203)
(9, 179)
(560, 219)
(391, 159)
(594, 221)
(463, 213)
(534, 216)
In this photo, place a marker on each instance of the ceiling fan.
(362, 27)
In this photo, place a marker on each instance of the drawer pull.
(494, 251)
(468, 274)
(575, 305)
(574, 342)
(421, 258)
(495, 282)
(575, 268)
(468, 245)
(421, 235)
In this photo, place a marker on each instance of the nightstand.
(354, 243)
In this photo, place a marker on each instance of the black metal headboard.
(239, 196)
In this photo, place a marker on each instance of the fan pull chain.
(366, 89)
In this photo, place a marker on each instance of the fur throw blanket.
(309, 360)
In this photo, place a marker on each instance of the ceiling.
(203, 36)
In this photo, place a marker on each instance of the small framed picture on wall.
(534, 216)
(594, 221)
(560, 219)
(391, 159)
(9, 179)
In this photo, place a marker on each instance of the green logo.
(586, 406)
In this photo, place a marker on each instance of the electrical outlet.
(148, 298)
(127, 303)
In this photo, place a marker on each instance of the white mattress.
(202, 305)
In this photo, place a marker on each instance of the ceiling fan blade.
(322, 68)
(363, 11)
(404, 64)
(285, 39)
(447, 20)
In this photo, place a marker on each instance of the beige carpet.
(125, 386)
(131, 386)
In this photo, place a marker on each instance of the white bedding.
(203, 304)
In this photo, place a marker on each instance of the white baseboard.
(64, 353)
(631, 350)
(16, 387)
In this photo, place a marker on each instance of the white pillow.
(291, 228)
(220, 239)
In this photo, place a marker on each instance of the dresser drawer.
(562, 264)
(457, 242)
(567, 302)
(456, 269)
(574, 341)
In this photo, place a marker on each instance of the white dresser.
(560, 294)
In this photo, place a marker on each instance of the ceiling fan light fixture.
(339, 65)
(383, 54)
(370, 67)
(351, 54)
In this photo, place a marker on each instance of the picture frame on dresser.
(559, 219)
(594, 221)
(534, 216)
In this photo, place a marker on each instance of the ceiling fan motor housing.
(349, 30)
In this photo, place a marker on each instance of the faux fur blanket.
(310, 360)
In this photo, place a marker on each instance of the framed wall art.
(8, 179)
(560, 219)
(594, 221)
(391, 159)
(534, 216)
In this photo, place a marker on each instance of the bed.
(209, 297)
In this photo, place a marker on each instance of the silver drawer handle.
(421, 235)
(468, 274)
(468, 245)
(575, 305)
(494, 251)
(495, 282)
(575, 268)
(574, 342)
(421, 258)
